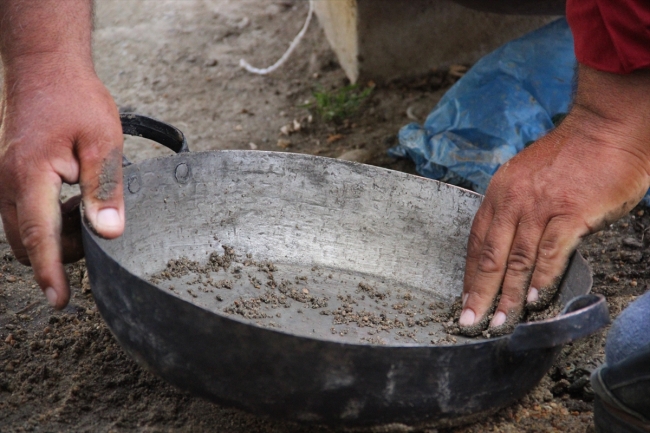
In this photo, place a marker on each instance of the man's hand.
(59, 124)
(588, 172)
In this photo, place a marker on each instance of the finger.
(39, 225)
(100, 158)
(521, 262)
(10, 224)
(560, 239)
(490, 270)
(480, 226)
(71, 243)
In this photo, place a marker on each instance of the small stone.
(252, 146)
(631, 256)
(85, 284)
(283, 144)
(239, 128)
(334, 137)
(355, 155)
(10, 326)
(640, 213)
(11, 278)
(211, 63)
(633, 283)
(632, 243)
(560, 387)
(578, 384)
(9, 339)
(305, 291)
(243, 23)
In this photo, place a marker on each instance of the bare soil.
(178, 61)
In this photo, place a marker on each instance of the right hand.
(587, 173)
(59, 124)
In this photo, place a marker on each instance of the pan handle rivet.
(182, 172)
(134, 184)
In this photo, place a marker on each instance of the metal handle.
(160, 132)
(581, 317)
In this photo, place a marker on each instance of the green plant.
(340, 104)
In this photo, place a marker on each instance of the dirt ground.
(178, 61)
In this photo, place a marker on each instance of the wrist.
(45, 38)
(613, 110)
(37, 71)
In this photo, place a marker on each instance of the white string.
(244, 64)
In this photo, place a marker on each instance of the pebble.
(11, 278)
(632, 243)
(356, 155)
(334, 137)
(283, 144)
(631, 256)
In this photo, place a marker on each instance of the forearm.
(44, 36)
(617, 106)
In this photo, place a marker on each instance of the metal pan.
(334, 226)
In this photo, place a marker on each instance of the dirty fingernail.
(467, 318)
(498, 319)
(51, 296)
(107, 219)
(533, 295)
(465, 296)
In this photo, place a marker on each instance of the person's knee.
(630, 332)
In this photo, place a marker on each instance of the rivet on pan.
(134, 184)
(182, 172)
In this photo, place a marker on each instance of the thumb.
(100, 160)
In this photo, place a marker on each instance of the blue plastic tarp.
(507, 100)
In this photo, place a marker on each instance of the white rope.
(244, 64)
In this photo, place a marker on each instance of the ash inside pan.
(319, 302)
(315, 302)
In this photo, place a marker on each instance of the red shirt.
(611, 35)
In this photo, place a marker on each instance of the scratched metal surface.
(300, 210)
(353, 222)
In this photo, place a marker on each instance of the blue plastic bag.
(506, 100)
